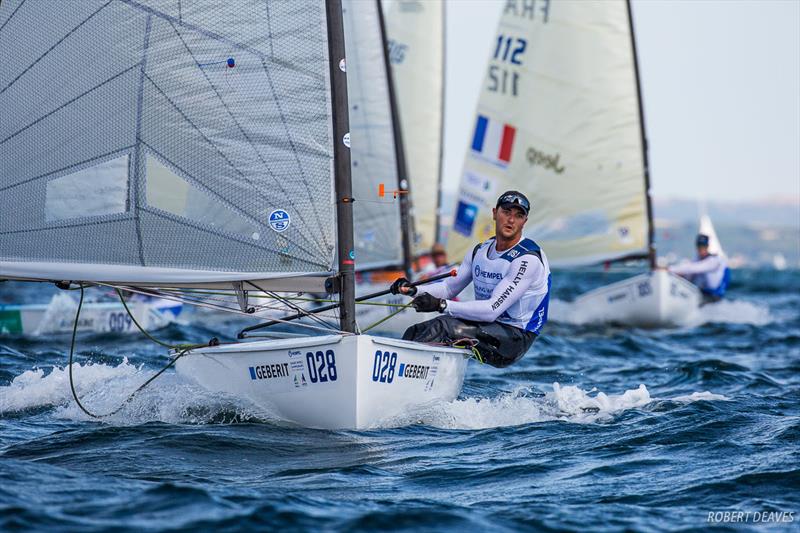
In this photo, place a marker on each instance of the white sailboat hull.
(656, 299)
(96, 317)
(334, 381)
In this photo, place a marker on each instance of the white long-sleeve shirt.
(511, 287)
(707, 273)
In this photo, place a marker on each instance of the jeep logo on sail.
(413, 371)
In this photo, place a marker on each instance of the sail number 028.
(383, 366)
(321, 366)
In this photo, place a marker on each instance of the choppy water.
(688, 422)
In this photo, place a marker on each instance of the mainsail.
(559, 119)
(376, 220)
(179, 143)
(415, 30)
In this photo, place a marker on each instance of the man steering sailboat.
(511, 277)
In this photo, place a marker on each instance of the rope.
(384, 319)
(182, 349)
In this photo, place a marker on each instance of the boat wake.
(174, 400)
(724, 312)
(103, 388)
(523, 406)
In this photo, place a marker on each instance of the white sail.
(376, 221)
(415, 30)
(160, 142)
(707, 228)
(558, 119)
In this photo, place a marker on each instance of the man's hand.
(427, 303)
(403, 286)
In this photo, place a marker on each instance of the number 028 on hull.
(334, 381)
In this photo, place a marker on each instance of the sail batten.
(199, 135)
(559, 119)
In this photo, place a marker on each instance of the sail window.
(94, 191)
(171, 193)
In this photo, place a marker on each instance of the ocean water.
(598, 428)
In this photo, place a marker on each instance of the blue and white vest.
(714, 283)
(530, 311)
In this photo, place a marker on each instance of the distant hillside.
(778, 212)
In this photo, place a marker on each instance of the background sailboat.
(560, 118)
(416, 37)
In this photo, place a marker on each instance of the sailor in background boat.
(710, 272)
(438, 264)
(511, 277)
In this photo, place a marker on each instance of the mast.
(646, 164)
(438, 225)
(399, 153)
(341, 165)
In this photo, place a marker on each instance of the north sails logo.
(485, 274)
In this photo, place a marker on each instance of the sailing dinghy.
(58, 315)
(196, 148)
(560, 118)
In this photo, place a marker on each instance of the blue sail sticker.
(279, 220)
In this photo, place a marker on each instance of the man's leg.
(501, 345)
(444, 329)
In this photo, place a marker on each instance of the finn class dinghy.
(207, 152)
(58, 316)
(560, 117)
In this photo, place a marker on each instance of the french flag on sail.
(493, 140)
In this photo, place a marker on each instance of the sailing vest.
(530, 311)
(714, 283)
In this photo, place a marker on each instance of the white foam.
(103, 388)
(725, 311)
(567, 403)
(734, 312)
(697, 396)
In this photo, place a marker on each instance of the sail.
(707, 228)
(162, 142)
(376, 220)
(559, 120)
(415, 30)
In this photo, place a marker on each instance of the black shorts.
(499, 344)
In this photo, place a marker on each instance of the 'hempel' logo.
(486, 274)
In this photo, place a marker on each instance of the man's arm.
(451, 287)
(696, 267)
(523, 271)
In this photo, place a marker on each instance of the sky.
(721, 91)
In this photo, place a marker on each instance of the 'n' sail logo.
(493, 140)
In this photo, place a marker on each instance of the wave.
(172, 399)
(567, 403)
(103, 388)
(723, 312)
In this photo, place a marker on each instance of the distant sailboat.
(560, 117)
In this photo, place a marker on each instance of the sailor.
(439, 264)
(511, 277)
(710, 272)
